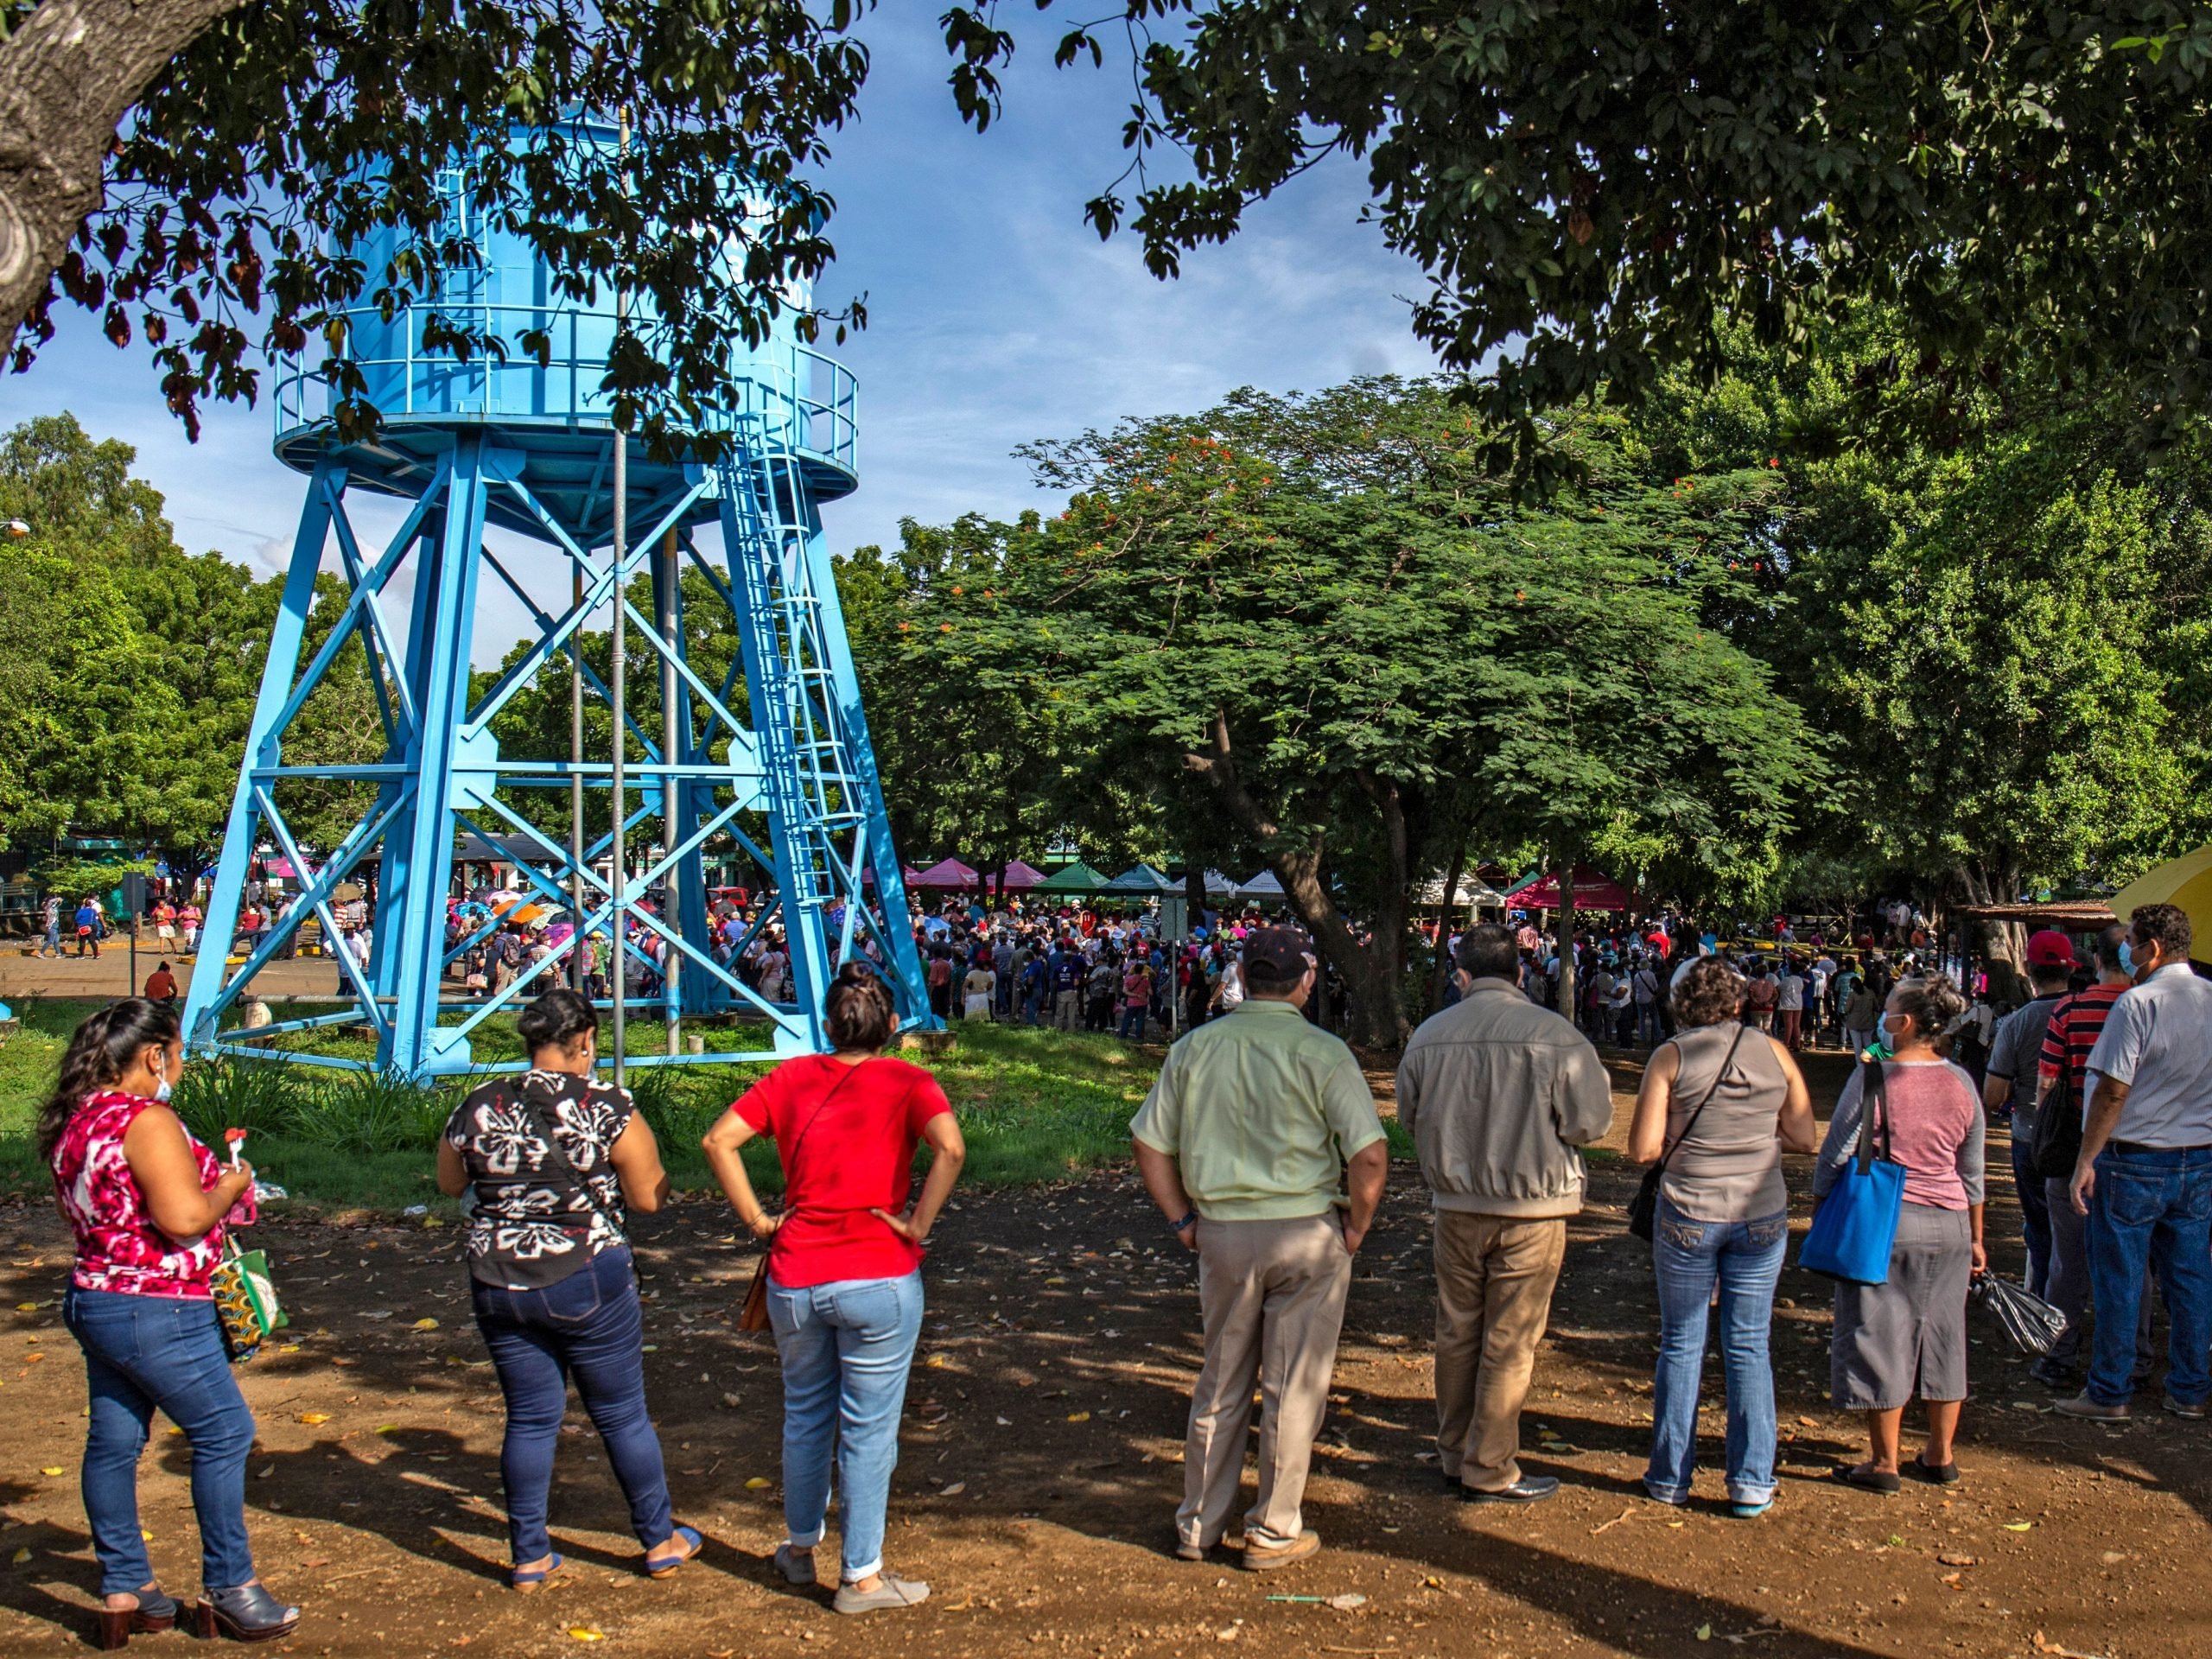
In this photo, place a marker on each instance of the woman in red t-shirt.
(844, 1268)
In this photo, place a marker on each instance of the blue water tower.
(782, 786)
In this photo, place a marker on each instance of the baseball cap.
(1279, 954)
(2050, 949)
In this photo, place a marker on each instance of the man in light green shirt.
(1255, 1120)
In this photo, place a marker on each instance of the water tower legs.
(788, 787)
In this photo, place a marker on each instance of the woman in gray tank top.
(1721, 1103)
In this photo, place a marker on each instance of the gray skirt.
(1907, 1336)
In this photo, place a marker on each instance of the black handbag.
(1643, 1208)
(2055, 1146)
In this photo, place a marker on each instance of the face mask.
(2128, 962)
(1885, 1039)
(161, 1090)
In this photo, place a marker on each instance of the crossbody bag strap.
(1873, 1116)
(1698, 1111)
(814, 1117)
(543, 1124)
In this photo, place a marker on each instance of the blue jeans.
(1686, 1256)
(1647, 1024)
(591, 1326)
(2035, 1211)
(846, 1348)
(1132, 1025)
(2154, 1208)
(166, 1352)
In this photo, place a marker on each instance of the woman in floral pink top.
(149, 1204)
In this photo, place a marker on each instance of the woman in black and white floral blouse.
(553, 1157)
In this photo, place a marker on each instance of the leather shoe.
(1529, 1488)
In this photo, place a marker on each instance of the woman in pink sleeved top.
(149, 1204)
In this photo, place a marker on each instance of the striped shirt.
(2075, 1025)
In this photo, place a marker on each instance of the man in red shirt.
(2061, 1071)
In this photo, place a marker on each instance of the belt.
(2137, 1149)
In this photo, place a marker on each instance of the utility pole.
(617, 672)
(675, 739)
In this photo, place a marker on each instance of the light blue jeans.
(1687, 1257)
(846, 1348)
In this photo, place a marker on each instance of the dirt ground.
(1041, 1465)
(109, 974)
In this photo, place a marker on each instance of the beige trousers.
(1494, 1280)
(1272, 1294)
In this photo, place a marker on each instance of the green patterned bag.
(245, 1300)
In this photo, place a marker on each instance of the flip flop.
(526, 1579)
(667, 1565)
(1870, 1480)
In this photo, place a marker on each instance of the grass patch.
(1035, 1105)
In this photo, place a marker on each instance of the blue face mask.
(1885, 1039)
(2127, 957)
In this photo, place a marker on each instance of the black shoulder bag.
(2055, 1146)
(1643, 1208)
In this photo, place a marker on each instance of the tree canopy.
(1600, 191)
(264, 144)
(127, 668)
(1326, 639)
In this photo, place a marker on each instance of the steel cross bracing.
(783, 779)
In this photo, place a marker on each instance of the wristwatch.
(1190, 1220)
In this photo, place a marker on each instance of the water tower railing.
(804, 398)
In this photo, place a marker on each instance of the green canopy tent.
(1142, 882)
(1075, 881)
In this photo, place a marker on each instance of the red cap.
(2050, 949)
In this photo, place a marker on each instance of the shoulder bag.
(2055, 1146)
(1857, 1223)
(752, 1315)
(1643, 1208)
(245, 1300)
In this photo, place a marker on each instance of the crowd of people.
(1261, 1144)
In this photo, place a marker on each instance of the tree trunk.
(1194, 897)
(2001, 945)
(1566, 963)
(1373, 969)
(67, 76)
(1444, 923)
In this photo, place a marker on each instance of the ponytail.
(99, 1052)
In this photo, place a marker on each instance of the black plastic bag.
(2032, 1324)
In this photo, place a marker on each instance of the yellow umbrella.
(2186, 882)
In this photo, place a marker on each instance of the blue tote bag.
(1857, 1223)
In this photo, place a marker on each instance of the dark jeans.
(2035, 1211)
(147, 1352)
(1132, 1026)
(2151, 1208)
(590, 1326)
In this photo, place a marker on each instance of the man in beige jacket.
(1496, 1093)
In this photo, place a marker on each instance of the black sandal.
(1936, 1474)
(1869, 1479)
(154, 1612)
(246, 1612)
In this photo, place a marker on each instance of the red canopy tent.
(1593, 890)
(1021, 877)
(945, 872)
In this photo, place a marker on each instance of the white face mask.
(162, 1089)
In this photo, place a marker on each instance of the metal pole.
(620, 911)
(674, 741)
(580, 950)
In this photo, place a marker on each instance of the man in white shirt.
(2144, 1177)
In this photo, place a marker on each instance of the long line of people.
(1261, 1144)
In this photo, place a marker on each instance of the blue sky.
(997, 315)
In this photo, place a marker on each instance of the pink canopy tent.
(1593, 890)
(1021, 877)
(946, 873)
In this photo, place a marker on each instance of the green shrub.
(374, 1112)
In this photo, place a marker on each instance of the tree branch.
(67, 76)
